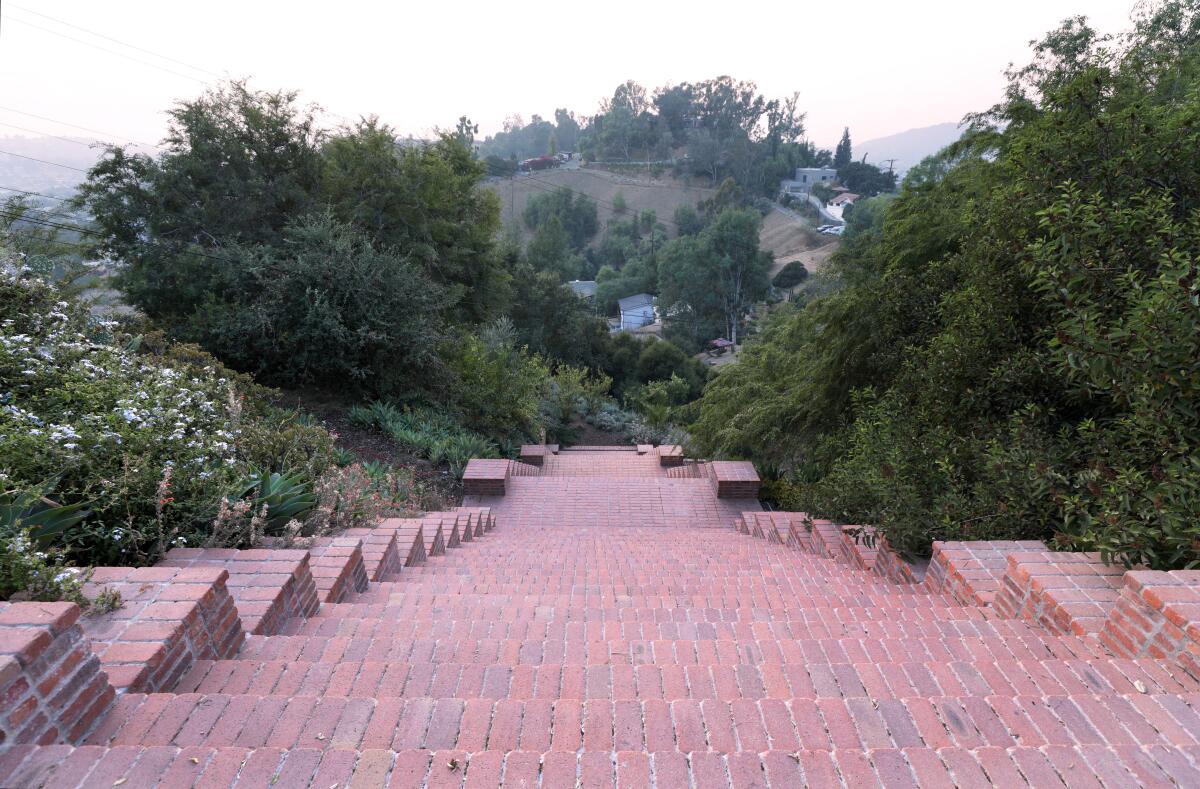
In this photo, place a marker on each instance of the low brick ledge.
(485, 477)
(1157, 615)
(735, 479)
(534, 454)
(891, 566)
(435, 536)
(1065, 593)
(380, 551)
(972, 571)
(859, 546)
(670, 455)
(51, 685)
(410, 540)
(826, 538)
(338, 568)
(487, 518)
(269, 586)
(170, 617)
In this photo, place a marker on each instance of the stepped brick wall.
(51, 686)
(618, 625)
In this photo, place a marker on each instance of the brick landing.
(572, 646)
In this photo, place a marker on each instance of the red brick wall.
(1157, 615)
(51, 686)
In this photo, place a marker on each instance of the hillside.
(782, 234)
(909, 147)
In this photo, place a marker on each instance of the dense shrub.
(149, 439)
(325, 307)
(790, 275)
(1013, 351)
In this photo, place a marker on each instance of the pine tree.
(843, 154)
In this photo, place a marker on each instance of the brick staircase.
(625, 623)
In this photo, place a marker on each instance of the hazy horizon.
(875, 67)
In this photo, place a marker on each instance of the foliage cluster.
(1014, 349)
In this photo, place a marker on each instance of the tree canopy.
(1013, 349)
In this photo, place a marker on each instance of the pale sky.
(877, 66)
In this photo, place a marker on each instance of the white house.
(636, 311)
(806, 178)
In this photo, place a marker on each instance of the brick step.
(931, 639)
(689, 725)
(520, 643)
(65, 767)
(337, 674)
(831, 613)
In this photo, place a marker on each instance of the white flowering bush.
(152, 439)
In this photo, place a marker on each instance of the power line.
(104, 49)
(96, 234)
(118, 41)
(44, 161)
(76, 126)
(44, 134)
(34, 194)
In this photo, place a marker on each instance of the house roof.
(847, 197)
(583, 287)
(635, 301)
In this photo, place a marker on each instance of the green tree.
(237, 165)
(576, 212)
(844, 153)
(550, 250)
(326, 307)
(713, 278)
(1011, 351)
(424, 200)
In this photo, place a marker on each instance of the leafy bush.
(498, 386)
(1013, 349)
(324, 307)
(790, 275)
(148, 438)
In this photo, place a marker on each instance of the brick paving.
(633, 629)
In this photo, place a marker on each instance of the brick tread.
(662, 768)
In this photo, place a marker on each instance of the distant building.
(584, 288)
(845, 199)
(636, 311)
(806, 178)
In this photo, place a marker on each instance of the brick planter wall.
(338, 568)
(972, 571)
(1066, 593)
(735, 479)
(269, 586)
(1157, 615)
(892, 566)
(51, 687)
(170, 618)
(533, 454)
(485, 477)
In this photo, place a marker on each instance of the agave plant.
(33, 511)
(285, 496)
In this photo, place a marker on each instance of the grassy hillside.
(782, 235)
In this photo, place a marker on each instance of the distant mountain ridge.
(908, 147)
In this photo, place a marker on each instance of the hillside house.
(806, 178)
(636, 311)
(844, 199)
(583, 288)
